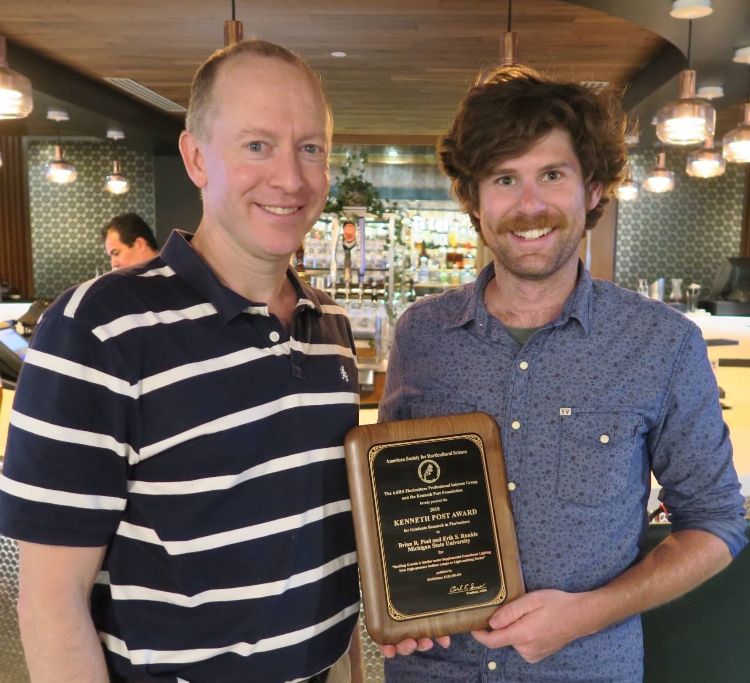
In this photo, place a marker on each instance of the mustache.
(537, 222)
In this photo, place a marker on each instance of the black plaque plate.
(437, 531)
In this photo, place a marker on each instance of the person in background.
(175, 471)
(594, 389)
(128, 241)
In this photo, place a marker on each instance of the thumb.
(511, 612)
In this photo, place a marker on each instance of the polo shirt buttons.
(523, 365)
(274, 336)
(492, 666)
(604, 438)
(511, 486)
(515, 424)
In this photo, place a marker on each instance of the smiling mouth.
(280, 210)
(533, 234)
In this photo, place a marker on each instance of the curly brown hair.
(503, 114)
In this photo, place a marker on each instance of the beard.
(548, 261)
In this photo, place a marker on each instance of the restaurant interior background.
(394, 71)
(406, 67)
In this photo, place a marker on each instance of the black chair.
(704, 636)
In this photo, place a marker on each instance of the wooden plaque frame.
(429, 470)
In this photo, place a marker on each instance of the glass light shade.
(686, 121)
(60, 171)
(15, 90)
(706, 163)
(736, 143)
(627, 190)
(116, 182)
(691, 9)
(660, 179)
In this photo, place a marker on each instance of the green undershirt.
(521, 334)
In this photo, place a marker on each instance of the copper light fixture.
(628, 189)
(736, 143)
(688, 120)
(509, 44)
(232, 30)
(58, 170)
(661, 179)
(707, 162)
(116, 182)
(15, 90)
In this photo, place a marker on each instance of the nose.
(114, 262)
(531, 200)
(287, 171)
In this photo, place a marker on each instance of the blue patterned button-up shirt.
(617, 387)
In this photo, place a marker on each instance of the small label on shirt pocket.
(596, 452)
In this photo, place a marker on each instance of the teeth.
(280, 210)
(533, 234)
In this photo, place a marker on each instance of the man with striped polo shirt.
(174, 470)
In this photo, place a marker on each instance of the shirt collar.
(192, 269)
(577, 305)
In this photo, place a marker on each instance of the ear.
(193, 159)
(595, 194)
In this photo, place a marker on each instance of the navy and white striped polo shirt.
(163, 415)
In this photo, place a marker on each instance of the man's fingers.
(493, 639)
(388, 651)
(443, 641)
(409, 645)
(513, 611)
(406, 647)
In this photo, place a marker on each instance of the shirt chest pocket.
(596, 454)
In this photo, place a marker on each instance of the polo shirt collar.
(193, 270)
(577, 305)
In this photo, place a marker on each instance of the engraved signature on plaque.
(436, 526)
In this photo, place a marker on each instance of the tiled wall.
(686, 233)
(66, 219)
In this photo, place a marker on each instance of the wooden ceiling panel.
(409, 61)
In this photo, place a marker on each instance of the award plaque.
(435, 536)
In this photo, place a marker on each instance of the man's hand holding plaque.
(435, 535)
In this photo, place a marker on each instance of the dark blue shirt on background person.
(615, 388)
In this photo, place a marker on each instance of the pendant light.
(691, 9)
(628, 189)
(736, 143)
(707, 162)
(232, 30)
(509, 42)
(661, 179)
(15, 90)
(689, 120)
(58, 170)
(116, 182)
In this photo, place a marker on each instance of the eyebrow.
(547, 167)
(267, 134)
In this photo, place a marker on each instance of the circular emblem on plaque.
(428, 471)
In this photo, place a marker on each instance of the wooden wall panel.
(15, 226)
